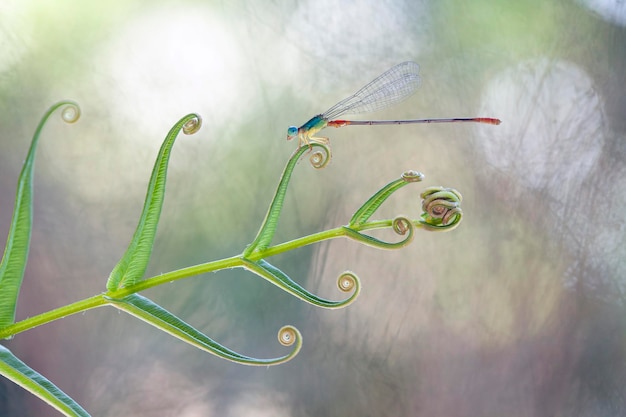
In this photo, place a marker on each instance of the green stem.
(100, 300)
(232, 262)
(58, 313)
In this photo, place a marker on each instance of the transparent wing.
(389, 88)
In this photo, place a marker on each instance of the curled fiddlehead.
(401, 225)
(442, 208)
(319, 159)
(412, 176)
(192, 125)
(155, 315)
(347, 282)
(71, 112)
(288, 335)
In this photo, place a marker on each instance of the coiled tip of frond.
(412, 176)
(319, 159)
(347, 281)
(192, 125)
(442, 208)
(70, 113)
(288, 335)
(402, 225)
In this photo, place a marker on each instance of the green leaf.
(366, 210)
(400, 225)
(132, 266)
(442, 209)
(268, 227)
(150, 312)
(277, 277)
(23, 375)
(15, 255)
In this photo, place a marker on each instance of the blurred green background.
(518, 312)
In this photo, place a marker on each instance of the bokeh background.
(521, 311)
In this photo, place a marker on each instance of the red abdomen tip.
(489, 120)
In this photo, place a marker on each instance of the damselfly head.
(292, 132)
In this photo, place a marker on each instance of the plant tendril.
(441, 208)
(192, 125)
(319, 159)
(287, 335)
(401, 225)
(277, 277)
(347, 281)
(70, 113)
(412, 176)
